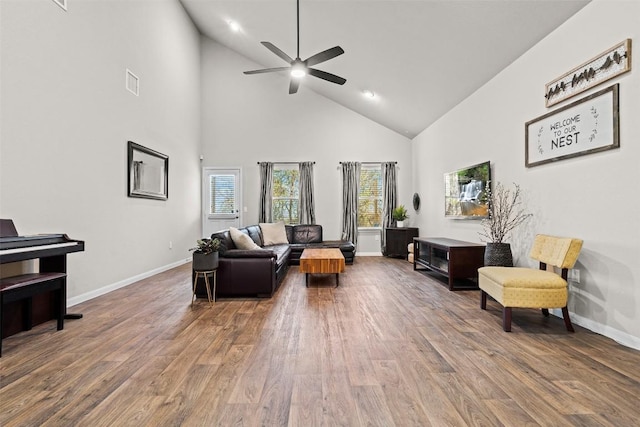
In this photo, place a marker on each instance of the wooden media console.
(454, 259)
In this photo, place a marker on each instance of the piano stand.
(24, 287)
(35, 303)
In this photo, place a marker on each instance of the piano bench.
(25, 286)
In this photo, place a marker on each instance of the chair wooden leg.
(506, 319)
(545, 312)
(567, 320)
(483, 300)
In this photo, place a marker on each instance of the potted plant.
(400, 214)
(205, 255)
(505, 214)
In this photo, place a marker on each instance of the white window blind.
(370, 196)
(223, 194)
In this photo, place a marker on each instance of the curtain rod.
(285, 163)
(372, 163)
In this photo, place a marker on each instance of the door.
(221, 199)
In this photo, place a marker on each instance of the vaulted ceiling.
(419, 58)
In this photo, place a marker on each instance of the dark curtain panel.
(307, 207)
(350, 189)
(389, 190)
(266, 183)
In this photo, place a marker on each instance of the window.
(370, 196)
(285, 193)
(223, 194)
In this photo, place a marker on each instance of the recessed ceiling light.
(235, 27)
(369, 94)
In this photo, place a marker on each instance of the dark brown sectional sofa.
(259, 272)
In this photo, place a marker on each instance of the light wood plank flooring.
(389, 347)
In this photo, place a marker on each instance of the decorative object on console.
(400, 214)
(505, 214)
(465, 192)
(611, 63)
(148, 173)
(586, 126)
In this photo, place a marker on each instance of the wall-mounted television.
(466, 192)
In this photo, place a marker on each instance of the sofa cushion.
(242, 240)
(281, 251)
(307, 233)
(273, 233)
(255, 233)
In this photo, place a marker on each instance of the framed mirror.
(148, 173)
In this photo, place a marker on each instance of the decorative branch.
(505, 213)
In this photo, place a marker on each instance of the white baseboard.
(618, 336)
(368, 254)
(121, 284)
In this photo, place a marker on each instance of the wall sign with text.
(586, 126)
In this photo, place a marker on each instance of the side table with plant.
(505, 214)
(205, 255)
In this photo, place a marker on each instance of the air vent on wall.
(61, 3)
(133, 83)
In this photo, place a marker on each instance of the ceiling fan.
(299, 68)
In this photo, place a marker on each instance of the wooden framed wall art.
(586, 126)
(607, 65)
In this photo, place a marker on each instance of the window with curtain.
(370, 197)
(286, 194)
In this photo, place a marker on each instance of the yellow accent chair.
(522, 287)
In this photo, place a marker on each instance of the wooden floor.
(389, 347)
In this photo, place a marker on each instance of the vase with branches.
(505, 214)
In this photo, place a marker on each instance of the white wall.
(590, 197)
(66, 120)
(247, 119)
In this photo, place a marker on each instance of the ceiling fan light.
(298, 71)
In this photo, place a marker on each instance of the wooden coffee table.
(322, 261)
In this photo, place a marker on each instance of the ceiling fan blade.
(293, 86)
(267, 70)
(277, 51)
(324, 56)
(327, 76)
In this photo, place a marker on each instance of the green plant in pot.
(400, 214)
(505, 214)
(205, 255)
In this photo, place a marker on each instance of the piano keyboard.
(36, 248)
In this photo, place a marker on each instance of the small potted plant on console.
(205, 255)
(400, 214)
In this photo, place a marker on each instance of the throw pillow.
(241, 240)
(274, 233)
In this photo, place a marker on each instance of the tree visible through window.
(285, 194)
(370, 197)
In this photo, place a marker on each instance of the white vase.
(400, 224)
